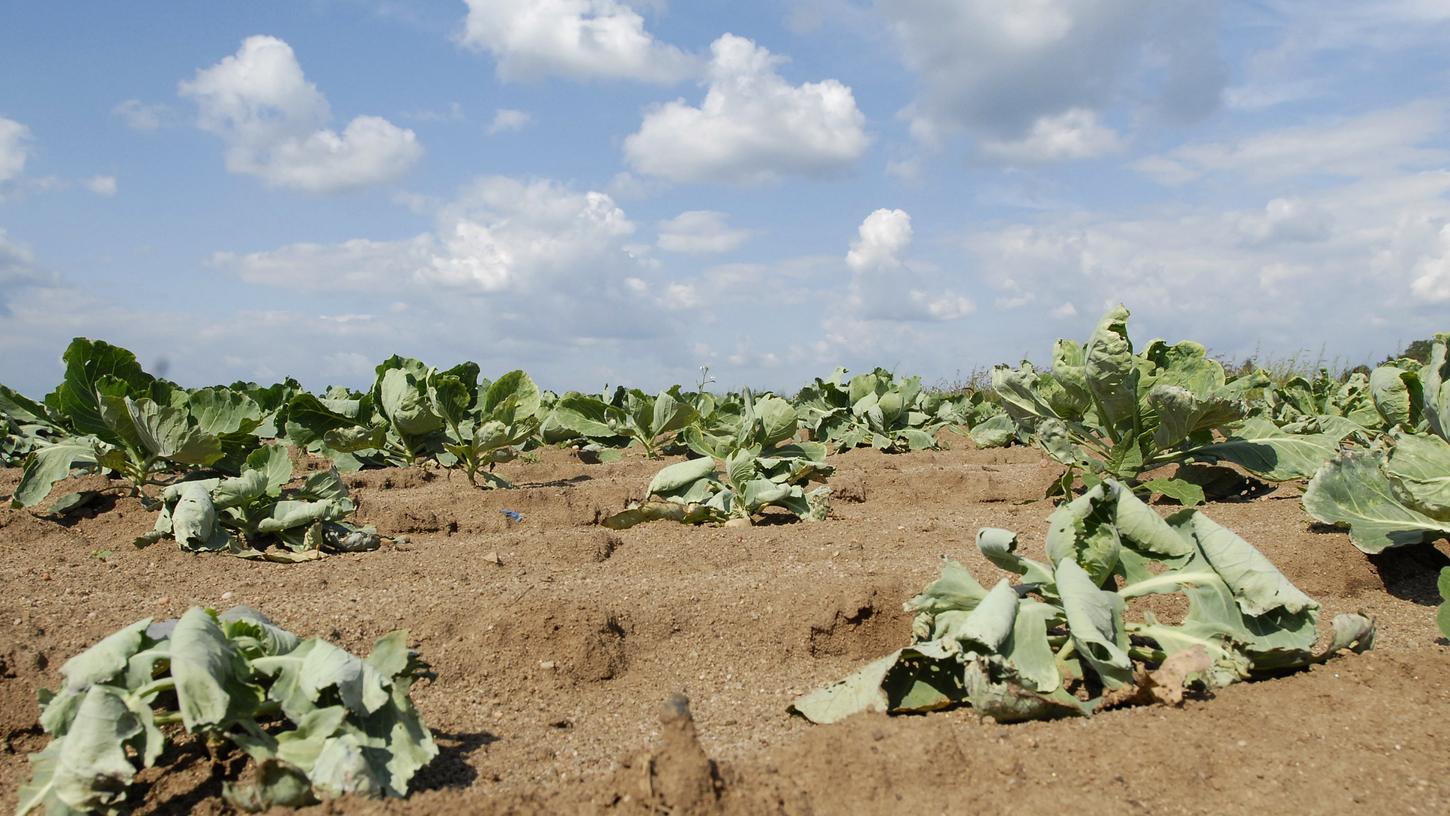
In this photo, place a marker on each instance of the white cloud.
(996, 70)
(884, 286)
(578, 39)
(906, 170)
(274, 123)
(507, 119)
(1432, 273)
(752, 126)
(356, 265)
(498, 235)
(142, 116)
(1274, 276)
(1287, 220)
(937, 306)
(1365, 145)
(880, 241)
(14, 149)
(1073, 134)
(104, 186)
(503, 233)
(700, 231)
(17, 265)
(1310, 40)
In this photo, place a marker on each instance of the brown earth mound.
(559, 647)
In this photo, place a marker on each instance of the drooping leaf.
(675, 477)
(1000, 547)
(1185, 493)
(1095, 618)
(213, 681)
(1419, 467)
(1257, 585)
(88, 770)
(860, 691)
(1272, 453)
(48, 465)
(1353, 491)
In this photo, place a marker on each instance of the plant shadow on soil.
(190, 763)
(451, 768)
(1410, 573)
(98, 505)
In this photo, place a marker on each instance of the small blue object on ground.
(512, 515)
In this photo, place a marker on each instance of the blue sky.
(608, 191)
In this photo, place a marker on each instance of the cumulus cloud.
(1009, 73)
(1073, 134)
(752, 126)
(507, 119)
(499, 235)
(884, 287)
(14, 149)
(700, 231)
(522, 272)
(576, 39)
(274, 123)
(503, 233)
(880, 241)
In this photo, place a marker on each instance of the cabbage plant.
(244, 515)
(110, 414)
(485, 423)
(872, 410)
(395, 423)
(1064, 641)
(651, 422)
(1298, 399)
(28, 426)
(1397, 491)
(738, 477)
(316, 721)
(1106, 411)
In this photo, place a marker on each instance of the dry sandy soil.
(557, 645)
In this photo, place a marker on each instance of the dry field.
(557, 644)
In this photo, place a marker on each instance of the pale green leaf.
(1352, 491)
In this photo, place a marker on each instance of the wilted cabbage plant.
(760, 466)
(244, 515)
(316, 721)
(1396, 492)
(1062, 642)
(874, 410)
